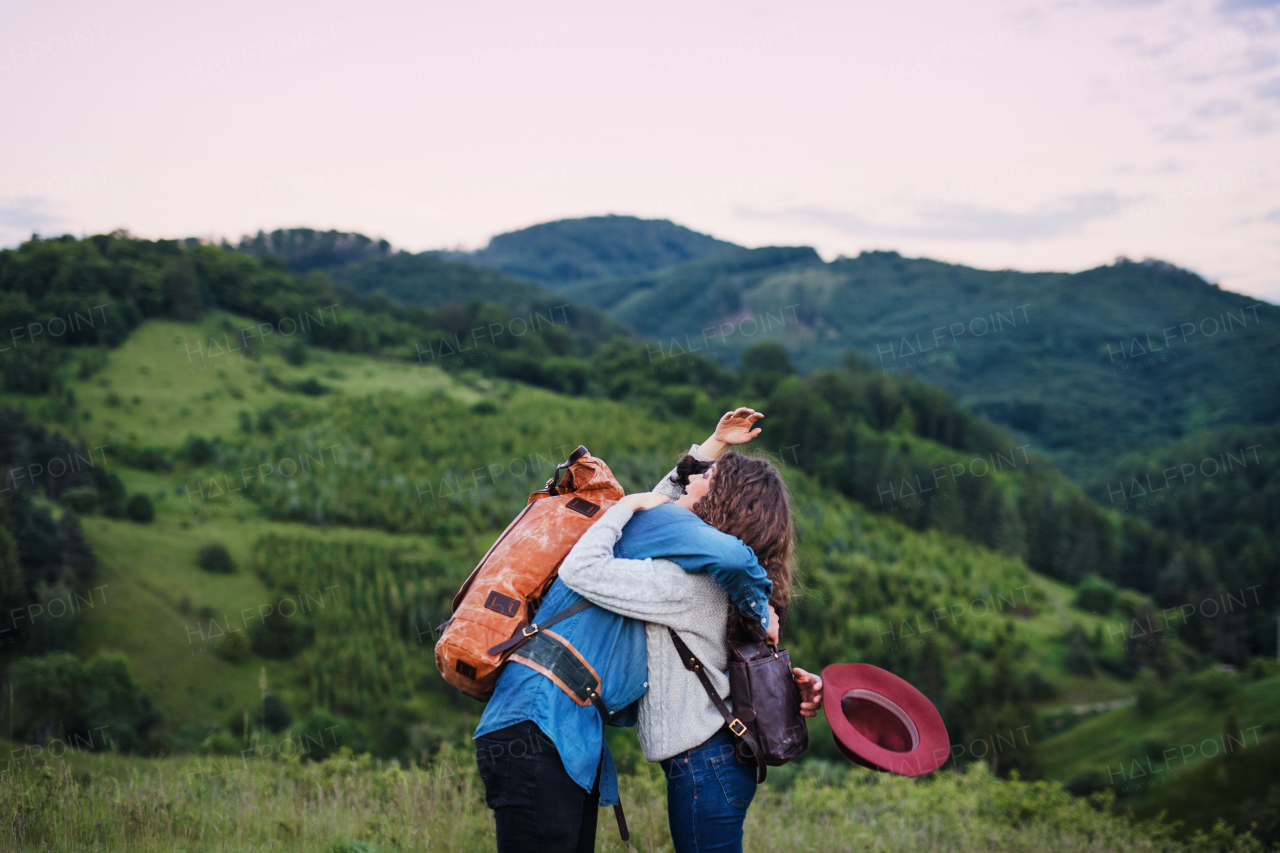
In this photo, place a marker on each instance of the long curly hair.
(748, 499)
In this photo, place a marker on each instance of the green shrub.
(312, 387)
(220, 742)
(1262, 667)
(200, 451)
(1096, 595)
(1087, 783)
(275, 714)
(111, 493)
(98, 703)
(140, 509)
(321, 735)
(151, 459)
(1216, 686)
(215, 558)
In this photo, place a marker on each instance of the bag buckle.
(530, 631)
(741, 727)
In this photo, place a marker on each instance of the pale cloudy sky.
(1031, 136)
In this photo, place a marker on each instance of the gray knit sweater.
(675, 714)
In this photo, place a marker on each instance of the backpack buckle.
(530, 631)
(738, 727)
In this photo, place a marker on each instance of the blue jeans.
(708, 793)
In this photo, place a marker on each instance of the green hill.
(573, 250)
(383, 467)
(270, 525)
(1085, 366)
(1202, 750)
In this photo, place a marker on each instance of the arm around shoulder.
(634, 588)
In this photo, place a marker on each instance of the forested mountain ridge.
(1086, 366)
(426, 279)
(570, 250)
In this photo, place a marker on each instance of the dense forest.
(892, 443)
(1086, 366)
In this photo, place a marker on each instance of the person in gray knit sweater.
(708, 790)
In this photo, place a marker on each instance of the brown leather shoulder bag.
(766, 701)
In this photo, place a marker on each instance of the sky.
(1002, 135)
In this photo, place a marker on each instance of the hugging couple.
(709, 549)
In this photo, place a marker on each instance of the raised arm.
(735, 427)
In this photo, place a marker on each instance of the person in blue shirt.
(540, 748)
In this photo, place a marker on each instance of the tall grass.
(351, 805)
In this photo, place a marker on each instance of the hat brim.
(888, 695)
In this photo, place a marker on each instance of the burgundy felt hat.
(882, 722)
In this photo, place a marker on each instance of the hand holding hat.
(810, 691)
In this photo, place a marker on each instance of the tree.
(1096, 595)
(47, 694)
(13, 589)
(181, 294)
(215, 558)
(77, 555)
(112, 700)
(1077, 660)
(140, 509)
(275, 713)
(1149, 691)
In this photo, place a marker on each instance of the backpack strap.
(525, 632)
(557, 659)
(737, 724)
(553, 485)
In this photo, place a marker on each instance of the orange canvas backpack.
(492, 611)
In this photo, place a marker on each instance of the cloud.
(1217, 108)
(1270, 89)
(960, 222)
(22, 217)
(1246, 5)
(1273, 216)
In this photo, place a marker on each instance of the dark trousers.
(536, 806)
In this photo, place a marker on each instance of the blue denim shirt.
(615, 645)
(676, 534)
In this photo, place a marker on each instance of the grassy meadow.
(359, 805)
